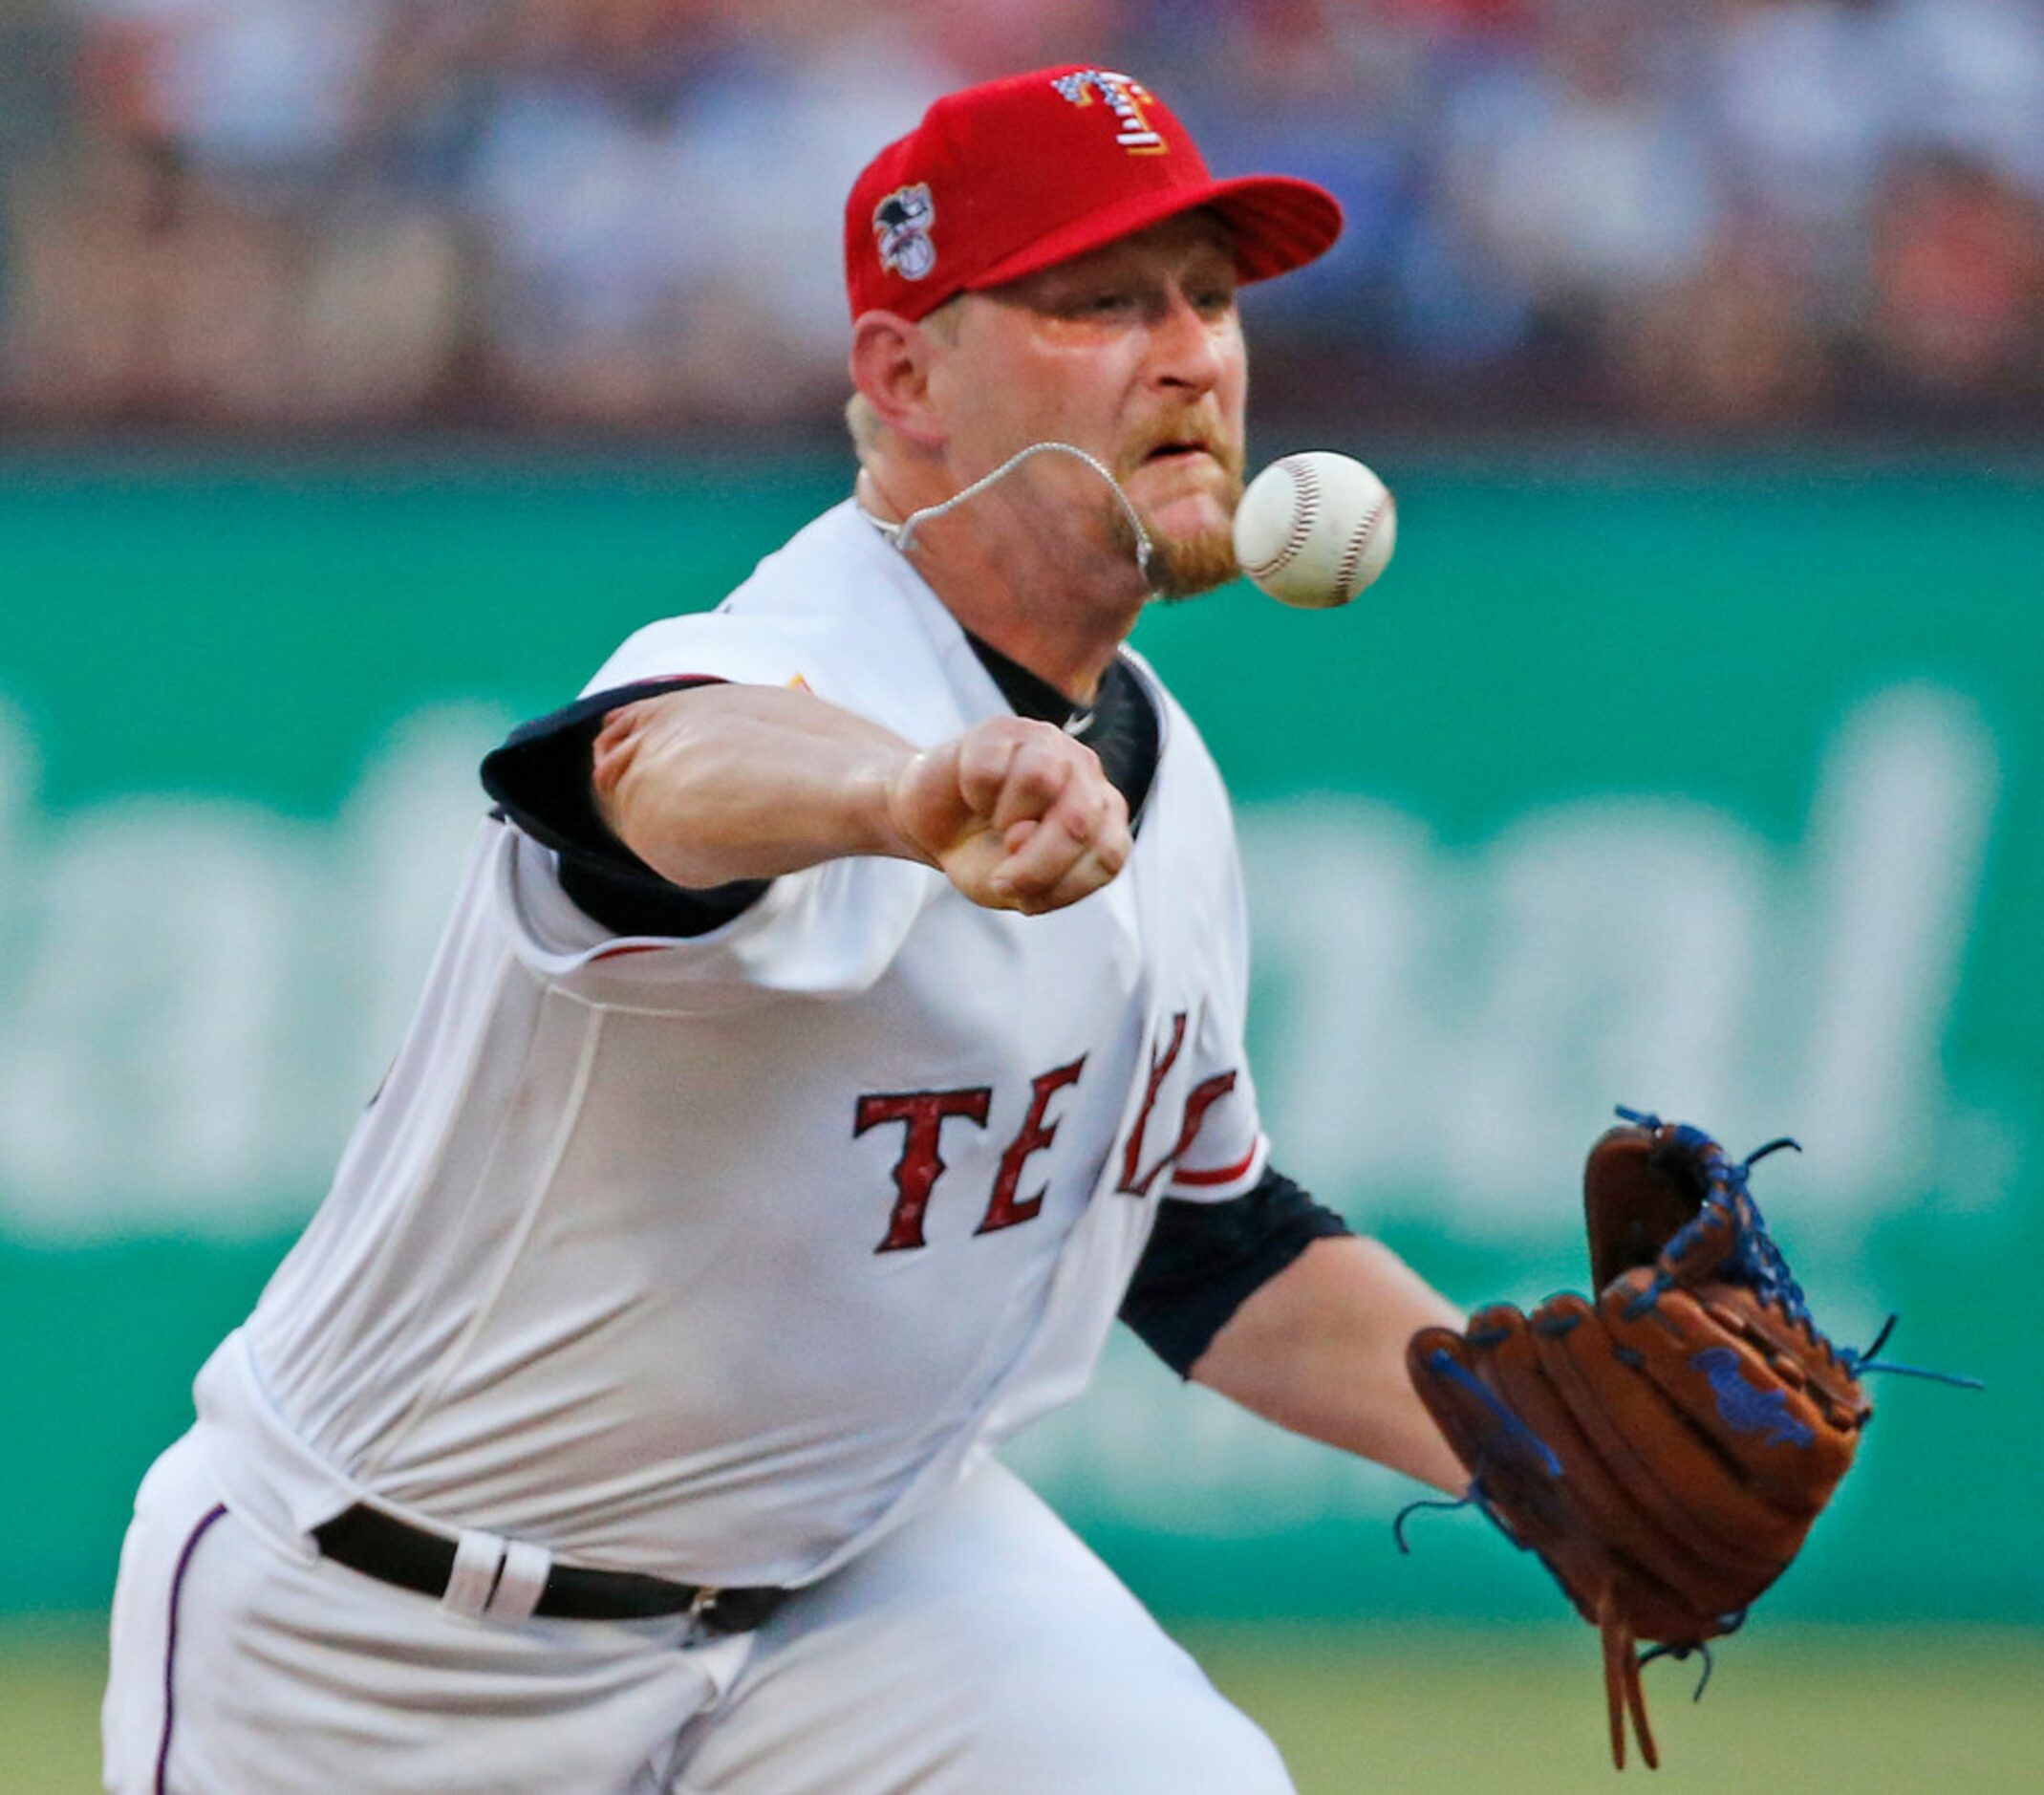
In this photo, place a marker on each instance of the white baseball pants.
(979, 1650)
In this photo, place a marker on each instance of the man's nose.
(1186, 345)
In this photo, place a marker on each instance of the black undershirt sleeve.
(1205, 1260)
(540, 779)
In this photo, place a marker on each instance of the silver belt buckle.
(702, 1602)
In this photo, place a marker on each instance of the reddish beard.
(1184, 565)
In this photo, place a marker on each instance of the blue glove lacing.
(1754, 1260)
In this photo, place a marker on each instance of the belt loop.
(478, 1564)
(521, 1582)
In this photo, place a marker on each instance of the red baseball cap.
(1016, 175)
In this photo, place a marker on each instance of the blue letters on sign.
(1747, 1410)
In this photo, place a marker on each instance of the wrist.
(885, 800)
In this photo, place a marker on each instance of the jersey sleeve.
(711, 645)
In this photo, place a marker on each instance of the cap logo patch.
(1125, 97)
(901, 222)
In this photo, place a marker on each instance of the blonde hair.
(861, 420)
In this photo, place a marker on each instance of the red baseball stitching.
(1305, 507)
(1357, 544)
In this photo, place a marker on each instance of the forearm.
(742, 782)
(1320, 1350)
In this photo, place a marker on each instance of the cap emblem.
(901, 222)
(1125, 97)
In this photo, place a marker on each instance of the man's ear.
(890, 363)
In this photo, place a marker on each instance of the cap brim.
(1279, 223)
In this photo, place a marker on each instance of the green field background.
(1851, 1712)
(1572, 657)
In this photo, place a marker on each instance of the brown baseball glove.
(1665, 1448)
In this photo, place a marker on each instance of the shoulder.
(757, 633)
(834, 612)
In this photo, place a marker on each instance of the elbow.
(634, 783)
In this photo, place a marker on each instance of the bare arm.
(733, 782)
(1320, 1350)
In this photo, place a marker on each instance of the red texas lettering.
(1201, 1099)
(920, 1165)
(1160, 1066)
(1003, 1211)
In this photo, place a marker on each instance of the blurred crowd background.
(1704, 215)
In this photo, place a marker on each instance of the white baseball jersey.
(711, 1258)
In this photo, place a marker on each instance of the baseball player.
(840, 1024)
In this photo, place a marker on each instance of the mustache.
(1183, 432)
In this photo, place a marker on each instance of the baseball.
(1314, 530)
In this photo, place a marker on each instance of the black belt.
(391, 1550)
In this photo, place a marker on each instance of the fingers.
(1047, 828)
(1012, 771)
(1074, 848)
